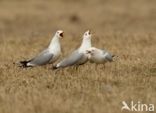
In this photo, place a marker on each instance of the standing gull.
(99, 56)
(77, 57)
(50, 54)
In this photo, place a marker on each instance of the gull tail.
(55, 67)
(24, 64)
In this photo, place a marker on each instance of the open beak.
(61, 34)
(89, 32)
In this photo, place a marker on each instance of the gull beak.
(61, 34)
(89, 32)
(88, 52)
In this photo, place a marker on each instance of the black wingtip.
(23, 64)
(54, 67)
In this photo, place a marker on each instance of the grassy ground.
(124, 27)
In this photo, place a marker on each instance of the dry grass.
(124, 27)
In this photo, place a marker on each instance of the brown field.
(127, 28)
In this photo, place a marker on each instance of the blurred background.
(44, 16)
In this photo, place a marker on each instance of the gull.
(77, 57)
(49, 55)
(99, 56)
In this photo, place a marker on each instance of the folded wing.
(73, 59)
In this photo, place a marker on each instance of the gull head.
(87, 34)
(59, 33)
(90, 52)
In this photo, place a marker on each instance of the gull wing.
(73, 59)
(43, 58)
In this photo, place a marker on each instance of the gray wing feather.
(71, 60)
(43, 58)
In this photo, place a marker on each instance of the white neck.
(55, 44)
(86, 44)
